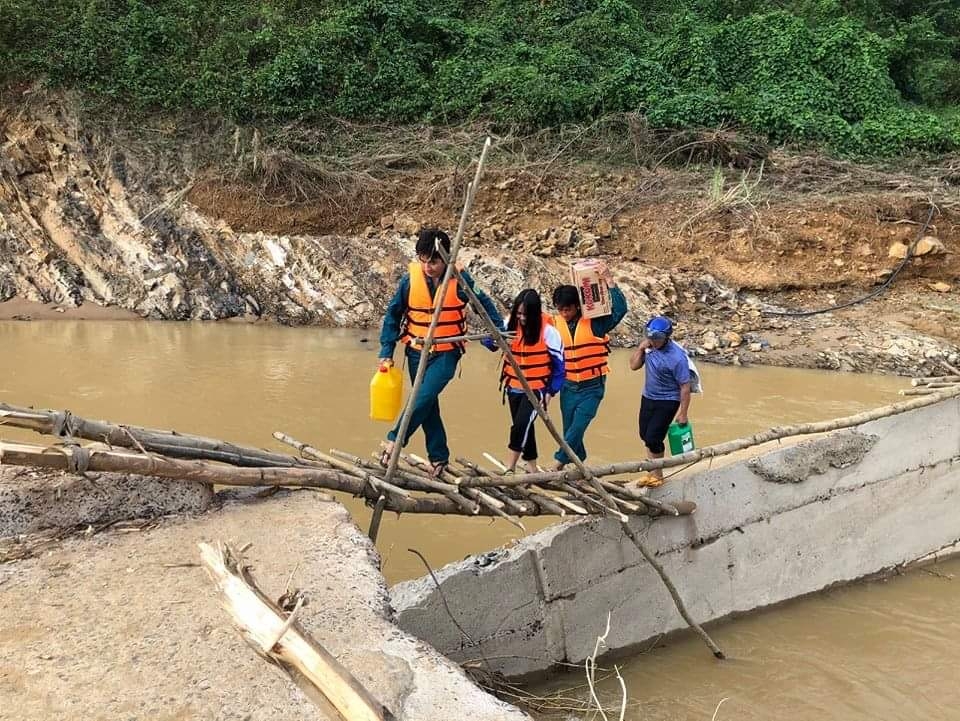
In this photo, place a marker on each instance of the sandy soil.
(21, 309)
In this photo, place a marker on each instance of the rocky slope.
(83, 221)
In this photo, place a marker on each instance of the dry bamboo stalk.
(953, 371)
(169, 443)
(925, 380)
(722, 449)
(516, 507)
(635, 495)
(495, 505)
(437, 308)
(284, 641)
(378, 484)
(414, 482)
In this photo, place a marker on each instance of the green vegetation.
(863, 77)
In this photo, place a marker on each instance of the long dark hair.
(533, 310)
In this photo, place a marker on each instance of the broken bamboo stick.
(283, 641)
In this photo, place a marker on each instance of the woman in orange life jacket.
(407, 320)
(586, 348)
(539, 353)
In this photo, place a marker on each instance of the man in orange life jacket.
(586, 346)
(407, 320)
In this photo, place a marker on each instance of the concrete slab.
(122, 626)
(794, 521)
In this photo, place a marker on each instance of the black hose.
(874, 293)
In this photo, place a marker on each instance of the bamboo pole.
(73, 458)
(283, 641)
(467, 337)
(723, 449)
(65, 424)
(435, 319)
(925, 380)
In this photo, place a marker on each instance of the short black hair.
(427, 241)
(565, 296)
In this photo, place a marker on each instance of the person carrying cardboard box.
(586, 346)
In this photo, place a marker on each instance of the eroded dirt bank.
(91, 217)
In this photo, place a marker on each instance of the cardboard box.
(594, 293)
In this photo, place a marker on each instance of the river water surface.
(880, 650)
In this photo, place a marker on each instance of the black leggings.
(655, 419)
(522, 438)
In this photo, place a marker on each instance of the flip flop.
(649, 481)
(438, 469)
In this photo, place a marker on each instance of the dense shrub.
(872, 77)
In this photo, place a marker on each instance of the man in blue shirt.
(666, 390)
(407, 320)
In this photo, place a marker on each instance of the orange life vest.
(585, 355)
(452, 320)
(534, 361)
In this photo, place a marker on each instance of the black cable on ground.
(874, 293)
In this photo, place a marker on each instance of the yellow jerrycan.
(386, 393)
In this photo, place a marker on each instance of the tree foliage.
(868, 77)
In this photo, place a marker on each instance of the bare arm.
(639, 355)
(684, 403)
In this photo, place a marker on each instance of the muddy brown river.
(877, 650)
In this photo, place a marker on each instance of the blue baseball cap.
(658, 328)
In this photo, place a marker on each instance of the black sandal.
(438, 469)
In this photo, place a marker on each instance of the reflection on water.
(884, 650)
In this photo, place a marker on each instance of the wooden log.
(922, 391)
(417, 482)
(952, 369)
(924, 380)
(64, 424)
(635, 495)
(284, 641)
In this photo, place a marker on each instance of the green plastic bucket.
(680, 438)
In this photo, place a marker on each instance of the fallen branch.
(283, 641)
